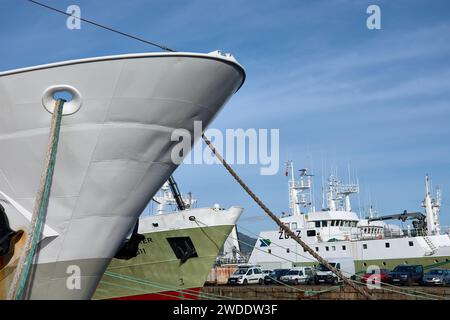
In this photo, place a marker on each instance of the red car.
(376, 278)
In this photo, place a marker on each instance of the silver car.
(437, 277)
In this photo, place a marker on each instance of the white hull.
(364, 253)
(189, 218)
(113, 154)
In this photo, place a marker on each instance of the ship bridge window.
(333, 222)
(183, 248)
(294, 225)
(345, 223)
(317, 224)
(311, 233)
(324, 223)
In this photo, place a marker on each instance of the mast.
(300, 192)
(338, 194)
(432, 208)
(163, 199)
(437, 209)
(428, 207)
(331, 204)
(293, 196)
(305, 191)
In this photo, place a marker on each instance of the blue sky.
(377, 100)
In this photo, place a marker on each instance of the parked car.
(274, 276)
(407, 274)
(383, 276)
(266, 272)
(299, 275)
(324, 275)
(437, 277)
(247, 275)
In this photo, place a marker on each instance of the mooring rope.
(287, 230)
(16, 291)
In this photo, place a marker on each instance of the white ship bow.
(114, 152)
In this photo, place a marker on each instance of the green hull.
(157, 269)
(427, 262)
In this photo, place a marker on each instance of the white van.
(345, 265)
(299, 275)
(247, 275)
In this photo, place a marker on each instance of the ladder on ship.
(431, 245)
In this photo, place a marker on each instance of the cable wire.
(163, 47)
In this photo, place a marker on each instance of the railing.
(389, 234)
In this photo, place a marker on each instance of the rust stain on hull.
(220, 275)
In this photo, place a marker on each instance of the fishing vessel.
(337, 233)
(178, 248)
(114, 154)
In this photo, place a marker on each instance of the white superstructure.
(337, 232)
(114, 152)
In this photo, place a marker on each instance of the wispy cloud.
(337, 91)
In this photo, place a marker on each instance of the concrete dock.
(305, 292)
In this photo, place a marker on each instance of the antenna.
(313, 196)
(323, 186)
(348, 168)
